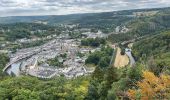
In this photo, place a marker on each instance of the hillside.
(69, 57)
(51, 19)
(155, 48)
(144, 26)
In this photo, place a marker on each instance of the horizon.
(83, 13)
(67, 7)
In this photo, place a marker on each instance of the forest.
(12, 32)
(155, 51)
(93, 42)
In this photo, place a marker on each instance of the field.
(120, 60)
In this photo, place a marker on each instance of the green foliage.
(101, 58)
(98, 74)
(143, 26)
(79, 54)
(104, 62)
(3, 61)
(117, 89)
(153, 45)
(94, 30)
(105, 22)
(110, 83)
(27, 30)
(155, 52)
(18, 34)
(101, 82)
(93, 42)
(25, 94)
(134, 73)
(93, 59)
(122, 47)
(63, 55)
(32, 44)
(75, 35)
(114, 38)
(128, 78)
(54, 62)
(93, 90)
(29, 88)
(106, 82)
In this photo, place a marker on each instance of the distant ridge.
(59, 19)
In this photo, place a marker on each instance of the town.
(33, 61)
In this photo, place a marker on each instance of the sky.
(62, 7)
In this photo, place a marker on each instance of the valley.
(118, 55)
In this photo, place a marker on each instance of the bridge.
(26, 56)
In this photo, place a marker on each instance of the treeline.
(143, 26)
(111, 83)
(105, 83)
(116, 38)
(93, 42)
(153, 45)
(154, 52)
(55, 62)
(3, 61)
(31, 88)
(27, 30)
(106, 22)
(100, 58)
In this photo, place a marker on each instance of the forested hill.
(144, 26)
(156, 19)
(74, 17)
(155, 49)
(147, 79)
(15, 31)
(51, 19)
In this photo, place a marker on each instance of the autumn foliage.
(151, 88)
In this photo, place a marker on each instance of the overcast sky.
(61, 7)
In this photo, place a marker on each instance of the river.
(15, 68)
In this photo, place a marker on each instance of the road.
(25, 56)
(129, 54)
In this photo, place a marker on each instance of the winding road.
(129, 54)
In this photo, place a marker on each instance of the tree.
(151, 87)
(3, 60)
(109, 77)
(134, 73)
(93, 90)
(25, 94)
(94, 30)
(93, 59)
(93, 42)
(122, 52)
(98, 74)
(55, 62)
(104, 62)
(117, 90)
(153, 67)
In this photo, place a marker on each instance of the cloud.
(60, 7)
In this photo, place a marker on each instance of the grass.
(120, 60)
